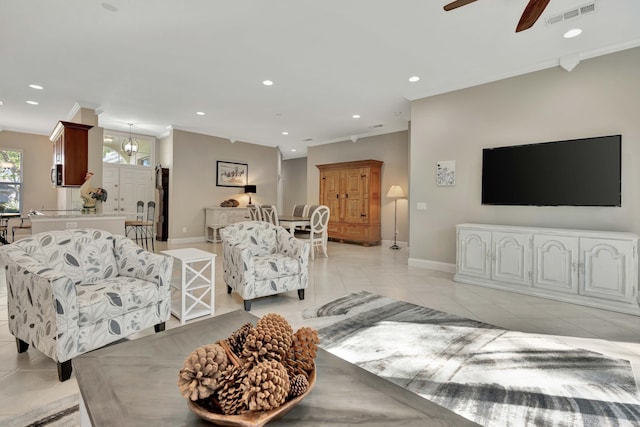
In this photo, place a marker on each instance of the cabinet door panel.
(474, 253)
(511, 258)
(329, 193)
(353, 196)
(555, 263)
(606, 268)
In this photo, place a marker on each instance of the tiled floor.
(29, 380)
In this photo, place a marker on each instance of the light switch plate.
(421, 206)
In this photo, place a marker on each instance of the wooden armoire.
(351, 190)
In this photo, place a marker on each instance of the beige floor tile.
(32, 376)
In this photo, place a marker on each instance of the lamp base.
(394, 247)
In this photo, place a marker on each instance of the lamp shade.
(395, 192)
(250, 189)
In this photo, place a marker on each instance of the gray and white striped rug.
(492, 376)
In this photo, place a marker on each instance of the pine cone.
(266, 386)
(299, 385)
(238, 337)
(202, 370)
(269, 340)
(302, 352)
(230, 394)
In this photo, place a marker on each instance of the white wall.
(192, 177)
(36, 175)
(294, 178)
(601, 96)
(392, 149)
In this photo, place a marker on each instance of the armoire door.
(330, 193)
(354, 194)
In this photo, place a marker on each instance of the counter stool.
(25, 224)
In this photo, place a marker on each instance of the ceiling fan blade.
(531, 14)
(456, 4)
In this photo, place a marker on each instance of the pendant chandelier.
(130, 146)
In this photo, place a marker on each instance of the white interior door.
(125, 186)
(135, 184)
(110, 182)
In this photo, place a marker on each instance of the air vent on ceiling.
(307, 140)
(572, 13)
(375, 126)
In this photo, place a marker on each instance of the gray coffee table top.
(134, 383)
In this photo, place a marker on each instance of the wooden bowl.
(251, 419)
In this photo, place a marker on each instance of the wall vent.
(572, 13)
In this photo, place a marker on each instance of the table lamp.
(250, 189)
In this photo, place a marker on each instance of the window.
(113, 152)
(10, 180)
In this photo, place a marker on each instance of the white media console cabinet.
(592, 268)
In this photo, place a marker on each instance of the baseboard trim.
(199, 239)
(433, 265)
(389, 243)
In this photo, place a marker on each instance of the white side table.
(197, 291)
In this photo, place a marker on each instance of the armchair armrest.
(134, 261)
(293, 247)
(32, 284)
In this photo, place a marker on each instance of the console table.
(216, 217)
(134, 383)
(594, 268)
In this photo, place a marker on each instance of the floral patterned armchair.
(72, 291)
(261, 259)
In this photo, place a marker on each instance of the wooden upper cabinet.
(71, 150)
(351, 190)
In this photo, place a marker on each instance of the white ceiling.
(155, 63)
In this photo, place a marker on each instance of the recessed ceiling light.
(293, 149)
(414, 79)
(574, 32)
(200, 113)
(1, 103)
(356, 116)
(267, 82)
(285, 133)
(32, 102)
(36, 87)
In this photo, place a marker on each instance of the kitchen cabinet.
(352, 190)
(593, 268)
(70, 153)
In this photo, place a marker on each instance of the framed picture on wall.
(230, 174)
(446, 172)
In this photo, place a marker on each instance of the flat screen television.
(578, 172)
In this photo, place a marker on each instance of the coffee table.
(134, 383)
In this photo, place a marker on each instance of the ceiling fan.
(529, 17)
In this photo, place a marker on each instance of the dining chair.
(270, 214)
(299, 210)
(317, 234)
(308, 213)
(255, 213)
(25, 224)
(144, 228)
(130, 224)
